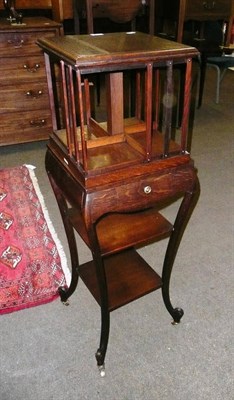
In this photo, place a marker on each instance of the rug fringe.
(29, 166)
(61, 252)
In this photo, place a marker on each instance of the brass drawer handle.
(209, 5)
(147, 189)
(17, 43)
(33, 93)
(34, 68)
(38, 122)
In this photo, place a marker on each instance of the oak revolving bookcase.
(112, 176)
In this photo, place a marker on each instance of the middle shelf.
(119, 231)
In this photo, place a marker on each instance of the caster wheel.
(177, 315)
(63, 297)
(66, 303)
(102, 370)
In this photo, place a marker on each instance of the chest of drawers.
(24, 103)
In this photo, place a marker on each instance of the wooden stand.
(111, 178)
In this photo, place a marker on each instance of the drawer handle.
(34, 68)
(16, 43)
(147, 189)
(33, 93)
(38, 122)
(209, 5)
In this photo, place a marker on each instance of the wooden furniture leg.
(187, 205)
(105, 315)
(104, 301)
(65, 293)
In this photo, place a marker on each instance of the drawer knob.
(16, 43)
(34, 68)
(147, 189)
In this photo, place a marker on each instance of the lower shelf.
(128, 275)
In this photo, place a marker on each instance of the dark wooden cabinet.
(24, 103)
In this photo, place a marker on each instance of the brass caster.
(102, 370)
(63, 296)
(177, 315)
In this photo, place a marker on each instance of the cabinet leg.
(105, 328)
(105, 316)
(64, 292)
(187, 205)
(104, 300)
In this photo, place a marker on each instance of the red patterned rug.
(32, 262)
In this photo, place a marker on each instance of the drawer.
(26, 96)
(21, 69)
(142, 193)
(203, 8)
(16, 44)
(23, 127)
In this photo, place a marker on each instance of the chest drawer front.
(27, 96)
(14, 44)
(21, 69)
(23, 127)
(203, 8)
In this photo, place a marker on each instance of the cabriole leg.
(105, 315)
(187, 205)
(104, 301)
(65, 293)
